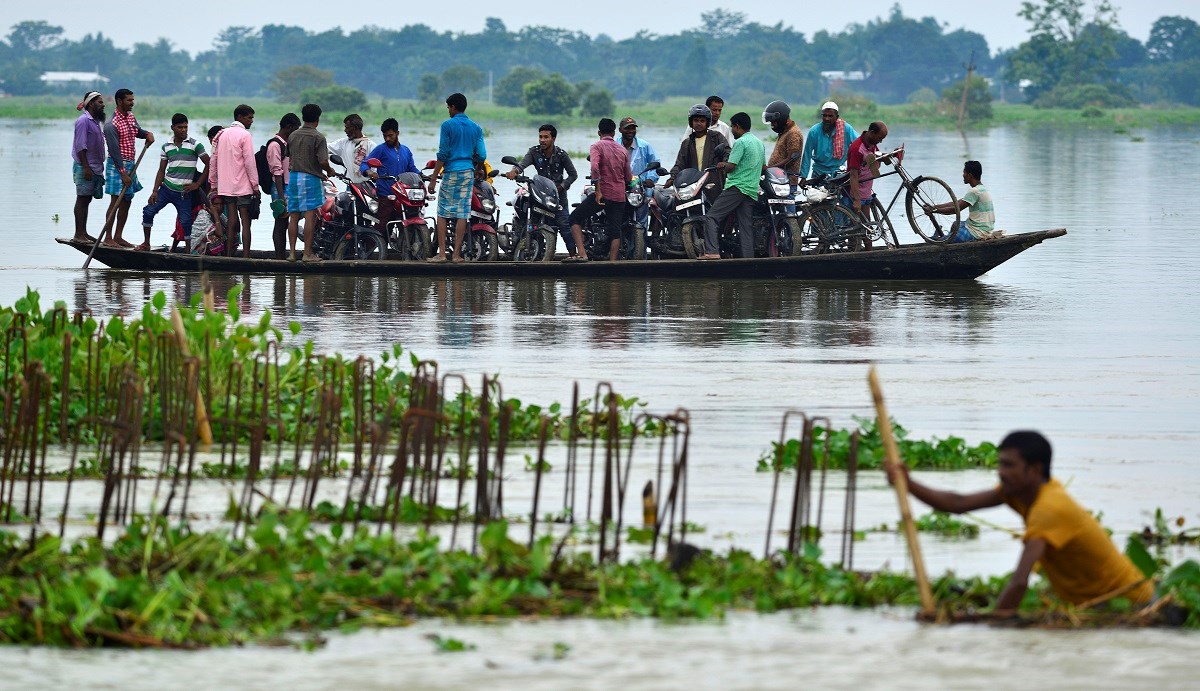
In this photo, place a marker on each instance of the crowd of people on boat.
(291, 168)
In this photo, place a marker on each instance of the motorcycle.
(639, 197)
(481, 243)
(776, 228)
(633, 236)
(677, 213)
(337, 236)
(407, 234)
(530, 237)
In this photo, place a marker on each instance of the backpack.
(265, 179)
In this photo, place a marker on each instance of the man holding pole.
(1076, 555)
(121, 183)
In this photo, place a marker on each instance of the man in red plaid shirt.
(121, 134)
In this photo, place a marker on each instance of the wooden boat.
(925, 262)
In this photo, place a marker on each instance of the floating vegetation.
(942, 523)
(157, 586)
(951, 453)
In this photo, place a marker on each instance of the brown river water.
(1093, 338)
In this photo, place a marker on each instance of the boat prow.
(925, 262)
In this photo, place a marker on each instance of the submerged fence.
(355, 442)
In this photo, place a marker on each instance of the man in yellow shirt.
(1076, 554)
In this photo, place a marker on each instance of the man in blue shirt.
(395, 158)
(460, 150)
(827, 144)
(641, 154)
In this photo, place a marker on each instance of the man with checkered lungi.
(460, 150)
(121, 133)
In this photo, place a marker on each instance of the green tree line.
(1072, 44)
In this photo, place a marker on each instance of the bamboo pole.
(202, 425)
(892, 456)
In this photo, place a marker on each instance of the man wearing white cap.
(87, 160)
(827, 144)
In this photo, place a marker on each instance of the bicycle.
(827, 224)
(922, 193)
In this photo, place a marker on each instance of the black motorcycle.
(595, 233)
(677, 213)
(530, 238)
(776, 220)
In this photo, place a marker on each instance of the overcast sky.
(193, 26)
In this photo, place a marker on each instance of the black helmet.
(776, 112)
(700, 109)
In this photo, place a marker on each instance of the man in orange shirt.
(1076, 554)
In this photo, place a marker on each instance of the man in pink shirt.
(863, 164)
(611, 176)
(235, 175)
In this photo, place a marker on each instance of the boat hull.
(927, 262)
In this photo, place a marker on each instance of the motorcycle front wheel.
(536, 246)
(417, 243)
(633, 242)
(363, 247)
(481, 247)
(693, 237)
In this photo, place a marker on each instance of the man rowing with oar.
(1076, 555)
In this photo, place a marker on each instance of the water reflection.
(589, 313)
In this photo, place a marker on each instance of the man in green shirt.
(746, 162)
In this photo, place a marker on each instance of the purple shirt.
(89, 136)
(610, 168)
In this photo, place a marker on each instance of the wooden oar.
(892, 458)
(203, 429)
(112, 211)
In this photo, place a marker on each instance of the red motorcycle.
(407, 230)
(481, 243)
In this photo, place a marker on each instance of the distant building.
(838, 78)
(73, 80)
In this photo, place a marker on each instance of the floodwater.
(1093, 338)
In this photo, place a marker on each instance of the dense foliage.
(720, 52)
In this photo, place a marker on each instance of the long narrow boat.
(927, 262)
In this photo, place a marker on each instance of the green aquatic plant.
(951, 453)
(156, 585)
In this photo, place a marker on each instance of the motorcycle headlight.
(552, 205)
(415, 194)
(488, 205)
(687, 194)
(634, 199)
(372, 205)
(781, 190)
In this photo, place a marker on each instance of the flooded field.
(1093, 338)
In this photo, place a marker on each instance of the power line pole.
(962, 109)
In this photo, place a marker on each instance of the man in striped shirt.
(977, 202)
(176, 178)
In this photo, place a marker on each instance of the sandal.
(311, 259)
(438, 259)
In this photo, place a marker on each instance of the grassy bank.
(670, 112)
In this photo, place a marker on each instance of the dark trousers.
(614, 215)
(731, 200)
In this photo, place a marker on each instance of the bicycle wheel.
(926, 192)
(830, 227)
(881, 225)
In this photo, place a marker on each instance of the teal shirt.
(749, 155)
